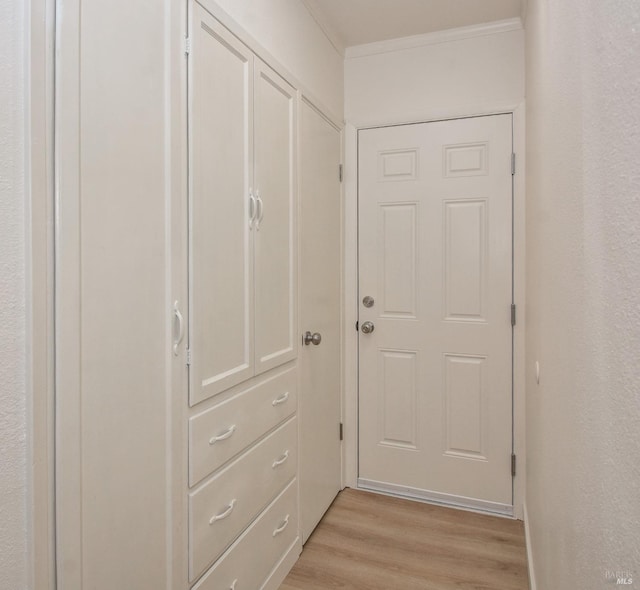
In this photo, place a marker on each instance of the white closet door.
(115, 408)
(275, 164)
(320, 290)
(221, 237)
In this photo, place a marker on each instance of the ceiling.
(355, 22)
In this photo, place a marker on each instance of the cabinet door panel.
(221, 241)
(275, 164)
(118, 426)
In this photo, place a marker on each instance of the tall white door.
(221, 211)
(435, 252)
(275, 216)
(118, 410)
(320, 365)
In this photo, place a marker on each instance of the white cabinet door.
(221, 237)
(275, 238)
(435, 238)
(320, 365)
(118, 419)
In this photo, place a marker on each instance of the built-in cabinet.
(176, 352)
(243, 427)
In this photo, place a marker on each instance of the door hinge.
(513, 465)
(188, 357)
(513, 164)
(187, 45)
(341, 431)
(513, 314)
(357, 326)
(340, 172)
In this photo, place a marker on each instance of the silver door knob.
(367, 328)
(309, 338)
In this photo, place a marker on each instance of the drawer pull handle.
(224, 513)
(282, 526)
(283, 398)
(233, 584)
(224, 436)
(280, 461)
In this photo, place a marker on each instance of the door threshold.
(437, 498)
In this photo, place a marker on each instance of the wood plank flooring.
(372, 542)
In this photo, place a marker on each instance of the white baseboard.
(449, 500)
(527, 539)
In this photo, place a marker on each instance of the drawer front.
(217, 435)
(248, 563)
(221, 509)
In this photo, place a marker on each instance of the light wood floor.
(373, 542)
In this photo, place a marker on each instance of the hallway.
(373, 542)
(202, 222)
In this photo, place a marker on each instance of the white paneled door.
(274, 223)
(435, 294)
(222, 229)
(320, 447)
(118, 431)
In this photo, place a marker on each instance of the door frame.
(350, 301)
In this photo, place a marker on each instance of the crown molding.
(445, 36)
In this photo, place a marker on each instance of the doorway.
(435, 323)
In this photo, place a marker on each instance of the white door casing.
(435, 253)
(320, 292)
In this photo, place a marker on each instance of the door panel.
(114, 409)
(221, 238)
(435, 254)
(320, 366)
(275, 165)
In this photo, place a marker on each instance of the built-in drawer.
(217, 435)
(225, 505)
(250, 560)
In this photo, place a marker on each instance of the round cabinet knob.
(309, 338)
(367, 328)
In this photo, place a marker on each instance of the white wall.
(287, 30)
(422, 82)
(13, 446)
(583, 222)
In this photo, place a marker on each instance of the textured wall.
(583, 315)
(12, 297)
